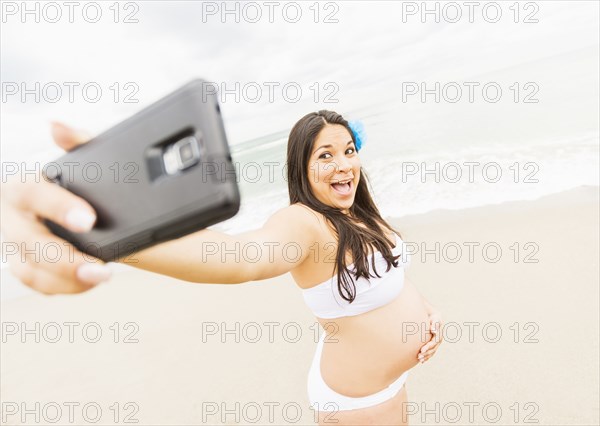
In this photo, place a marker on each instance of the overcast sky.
(172, 42)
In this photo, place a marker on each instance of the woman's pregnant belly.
(364, 354)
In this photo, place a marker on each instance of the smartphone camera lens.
(181, 155)
(185, 153)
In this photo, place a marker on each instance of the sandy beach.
(521, 333)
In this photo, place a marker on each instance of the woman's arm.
(205, 256)
(209, 256)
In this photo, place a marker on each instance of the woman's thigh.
(390, 412)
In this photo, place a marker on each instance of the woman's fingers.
(46, 282)
(66, 137)
(37, 257)
(429, 348)
(433, 343)
(431, 351)
(48, 200)
(34, 248)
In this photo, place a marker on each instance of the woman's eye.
(326, 153)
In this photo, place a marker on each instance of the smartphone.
(161, 174)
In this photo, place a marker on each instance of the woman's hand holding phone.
(24, 205)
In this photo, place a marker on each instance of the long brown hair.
(358, 239)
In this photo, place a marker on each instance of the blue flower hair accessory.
(358, 129)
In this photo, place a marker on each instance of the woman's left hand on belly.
(429, 348)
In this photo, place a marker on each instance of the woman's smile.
(343, 188)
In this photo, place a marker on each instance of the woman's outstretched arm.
(209, 256)
(200, 257)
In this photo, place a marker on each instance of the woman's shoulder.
(307, 214)
(300, 216)
(304, 209)
(313, 216)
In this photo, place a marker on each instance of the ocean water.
(412, 180)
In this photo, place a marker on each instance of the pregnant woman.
(350, 268)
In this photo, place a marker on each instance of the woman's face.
(334, 160)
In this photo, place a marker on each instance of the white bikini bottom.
(323, 398)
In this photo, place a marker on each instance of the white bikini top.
(326, 302)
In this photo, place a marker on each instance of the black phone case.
(122, 175)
